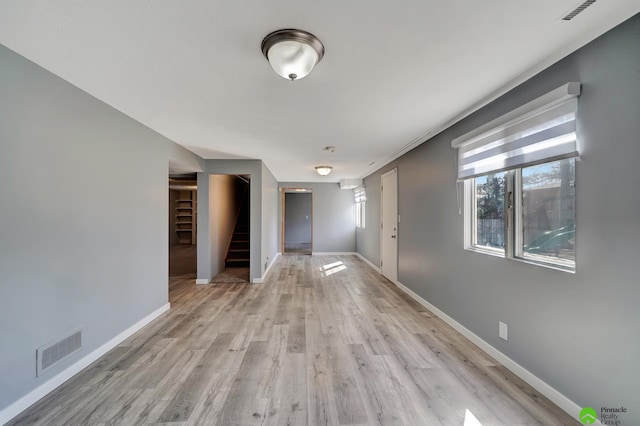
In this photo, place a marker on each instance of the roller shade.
(359, 194)
(540, 131)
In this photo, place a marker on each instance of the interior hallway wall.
(270, 219)
(577, 332)
(96, 260)
(334, 220)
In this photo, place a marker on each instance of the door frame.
(293, 190)
(397, 222)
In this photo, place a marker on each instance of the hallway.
(324, 340)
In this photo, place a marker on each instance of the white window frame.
(470, 227)
(518, 252)
(513, 226)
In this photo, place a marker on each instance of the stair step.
(237, 263)
(238, 255)
(239, 252)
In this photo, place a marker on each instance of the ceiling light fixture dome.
(292, 53)
(323, 170)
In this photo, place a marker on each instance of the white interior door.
(389, 231)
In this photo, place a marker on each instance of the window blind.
(359, 194)
(540, 131)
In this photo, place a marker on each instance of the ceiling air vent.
(579, 9)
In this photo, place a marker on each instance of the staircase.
(238, 252)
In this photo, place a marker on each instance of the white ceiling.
(393, 73)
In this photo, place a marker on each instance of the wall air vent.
(577, 10)
(50, 354)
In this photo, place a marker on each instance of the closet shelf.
(185, 215)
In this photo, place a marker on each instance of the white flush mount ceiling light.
(292, 53)
(323, 170)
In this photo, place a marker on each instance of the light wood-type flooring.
(324, 340)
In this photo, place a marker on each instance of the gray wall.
(577, 332)
(297, 218)
(269, 217)
(334, 220)
(96, 259)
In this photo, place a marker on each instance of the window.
(540, 203)
(519, 182)
(488, 227)
(546, 213)
(360, 198)
(360, 214)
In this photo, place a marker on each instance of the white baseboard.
(570, 407)
(41, 391)
(371, 265)
(333, 253)
(556, 397)
(266, 271)
(202, 281)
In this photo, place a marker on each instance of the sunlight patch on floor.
(332, 268)
(470, 419)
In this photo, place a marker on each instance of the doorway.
(182, 224)
(297, 221)
(389, 231)
(231, 217)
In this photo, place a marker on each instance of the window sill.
(495, 253)
(563, 268)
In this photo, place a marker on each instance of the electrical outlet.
(503, 332)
